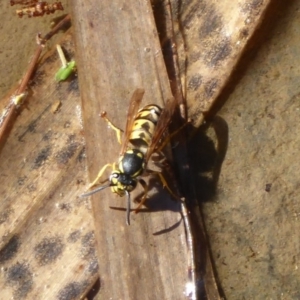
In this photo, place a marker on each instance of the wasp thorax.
(132, 163)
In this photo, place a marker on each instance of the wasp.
(143, 136)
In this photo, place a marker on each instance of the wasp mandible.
(142, 137)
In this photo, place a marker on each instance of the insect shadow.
(207, 150)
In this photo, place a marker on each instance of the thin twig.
(12, 110)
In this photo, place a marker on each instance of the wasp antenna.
(100, 188)
(128, 208)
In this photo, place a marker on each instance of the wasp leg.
(100, 174)
(145, 186)
(164, 183)
(115, 128)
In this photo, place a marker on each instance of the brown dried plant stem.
(15, 100)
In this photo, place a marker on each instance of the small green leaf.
(65, 72)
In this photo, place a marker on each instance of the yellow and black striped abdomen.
(144, 126)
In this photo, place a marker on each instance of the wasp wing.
(132, 111)
(162, 124)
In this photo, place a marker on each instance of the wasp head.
(121, 182)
